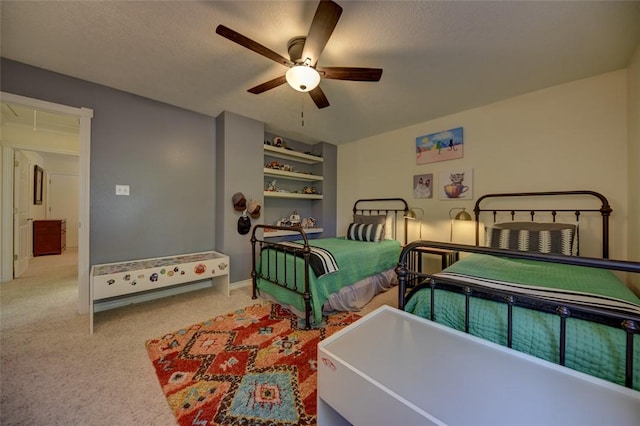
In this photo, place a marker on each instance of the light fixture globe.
(302, 78)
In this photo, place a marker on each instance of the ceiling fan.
(303, 74)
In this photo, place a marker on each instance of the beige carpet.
(52, 372)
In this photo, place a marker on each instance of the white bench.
(418, 372)
(117, 279)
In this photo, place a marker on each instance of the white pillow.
(389, 227)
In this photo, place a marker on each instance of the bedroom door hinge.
(15, 257)
(16, 163)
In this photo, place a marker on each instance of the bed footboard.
(410, 281)
(278, 255)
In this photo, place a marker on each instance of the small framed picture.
(456, 184)
(423, 186)
(37, 184)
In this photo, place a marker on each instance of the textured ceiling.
(438, 57)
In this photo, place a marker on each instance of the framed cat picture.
(423, 186)
(456, 184)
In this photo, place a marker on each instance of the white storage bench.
(394, 368)
(111, 280)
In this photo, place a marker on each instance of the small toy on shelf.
(308, 223)
(294, 218)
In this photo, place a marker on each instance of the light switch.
(122, 189)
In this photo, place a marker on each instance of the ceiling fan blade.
(322, 26)
(350, 73)
(268, 85)
(319, 98)
(238, 38)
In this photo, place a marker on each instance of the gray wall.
(330, 189)
(166, 155)
(239, 169)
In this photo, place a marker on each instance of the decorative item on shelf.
(294, 218)
(461, 215)
(308, 223)
(284, 167)
(271, 186)
(309, 190)
(279, 142)
(411, 214)
(314, 153)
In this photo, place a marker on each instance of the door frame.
(6, 215)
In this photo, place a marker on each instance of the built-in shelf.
(278, 194)
(274, 151)
(292, 175)
(286, 233)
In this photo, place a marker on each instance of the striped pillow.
(365, 232)
(557, 241)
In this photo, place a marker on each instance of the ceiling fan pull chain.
(302, 111)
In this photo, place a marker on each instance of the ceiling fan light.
(303, 78)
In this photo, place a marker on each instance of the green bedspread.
(356, 261)
(592, 348)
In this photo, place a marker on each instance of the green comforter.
(594, 349)
(356, 261)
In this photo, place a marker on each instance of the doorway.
(83, 116)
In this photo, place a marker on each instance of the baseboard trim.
(158, 294)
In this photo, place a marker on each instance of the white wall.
(633, 83)
(571, 136)
(62, 192)
(41, 140)
(36, 211)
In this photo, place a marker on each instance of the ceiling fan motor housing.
(294, 47)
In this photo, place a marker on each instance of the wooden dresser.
(49, 236)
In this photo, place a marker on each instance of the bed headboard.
(604, 209)
(396, 208)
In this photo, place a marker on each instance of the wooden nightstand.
(447, 257)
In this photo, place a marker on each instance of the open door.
(22, 230)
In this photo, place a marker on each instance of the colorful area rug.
(254, 366)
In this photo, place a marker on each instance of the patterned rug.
(254, 366)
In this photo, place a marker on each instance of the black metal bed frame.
(604, 210)
(415, 280)
(286, 253)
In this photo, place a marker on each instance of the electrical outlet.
(122, 189)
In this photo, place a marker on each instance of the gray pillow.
(560, 240)
(369, 219)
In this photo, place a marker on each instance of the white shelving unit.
(274, 151)
(277, 194)
(303, 178)
(292, 175)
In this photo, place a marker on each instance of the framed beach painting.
(441, 146)
(456, 184)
